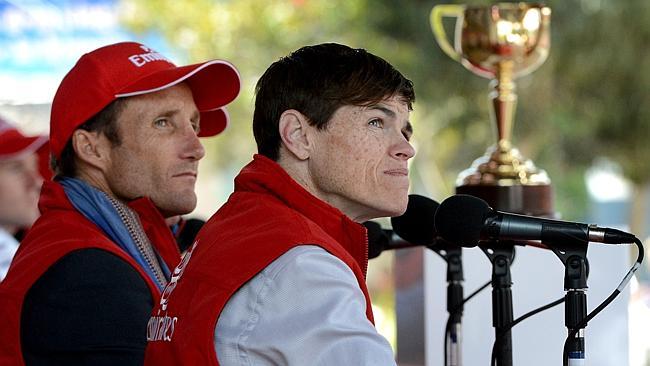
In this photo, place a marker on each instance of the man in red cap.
(124, 132)
(20, 184)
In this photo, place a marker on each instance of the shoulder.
(307, 293)
(57, 235)
(306, 279)
(311, 262)
(263, 225)
(62, 231)
(256, 208)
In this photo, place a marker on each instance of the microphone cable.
(583, 323)
(493, 357)
(605, 303)
(455, 310)
(460, 306)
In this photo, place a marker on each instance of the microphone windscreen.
(377, 239)
(416, 225)
(461, 218)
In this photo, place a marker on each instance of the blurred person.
(277, 275)
(124, 137)
(20, 185)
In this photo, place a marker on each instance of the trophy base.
(502, 165)
(533, 200)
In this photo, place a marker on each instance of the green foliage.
(251, 34)
(591, 98)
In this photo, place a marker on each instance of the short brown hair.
(316, 81)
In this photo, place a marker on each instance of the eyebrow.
(196, 115)
(387, 111)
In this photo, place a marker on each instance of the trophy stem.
(504, 102)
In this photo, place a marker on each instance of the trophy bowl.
(488, 36)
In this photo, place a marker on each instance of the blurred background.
(583, 116)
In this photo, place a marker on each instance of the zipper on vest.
(148, 255)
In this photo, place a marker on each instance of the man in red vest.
(277, 275)
(124, 132)
(20, 184)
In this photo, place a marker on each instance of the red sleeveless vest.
(60, 230)
(267, 215)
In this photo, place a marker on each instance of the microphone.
(416, 225)
(413, 228)
(466, 220)
(382, 239)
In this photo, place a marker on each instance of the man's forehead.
(166, 93)
(390, 108)
(391, 103)
(159, 100)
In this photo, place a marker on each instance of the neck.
(299, 171)
(96, 180)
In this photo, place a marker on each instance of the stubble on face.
(159, 154)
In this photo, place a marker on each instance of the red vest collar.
(263, 175)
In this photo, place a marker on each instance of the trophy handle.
(445, 10)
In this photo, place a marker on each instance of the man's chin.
(177, 208)
(387, 212)
(397, 208)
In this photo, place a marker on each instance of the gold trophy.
(501, 42)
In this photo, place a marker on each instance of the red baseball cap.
(13, 143)
(128, 69)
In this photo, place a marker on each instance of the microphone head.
(416, 225)
(377, 239)
(460, 219)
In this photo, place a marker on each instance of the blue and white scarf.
(102, 210)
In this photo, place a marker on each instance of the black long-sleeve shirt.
(89, 308)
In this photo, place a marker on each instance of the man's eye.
(376, 122)
(161, 122)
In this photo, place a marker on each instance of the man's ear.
(294, 132)
(92, 148)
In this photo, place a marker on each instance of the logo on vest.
(175, 277)
(161, 327)
(150, 55)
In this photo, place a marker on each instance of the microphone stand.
(501, 254)
(452, 254)
(574, 258)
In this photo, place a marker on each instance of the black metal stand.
(574, 257)
(452, 254)
(501, 255)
